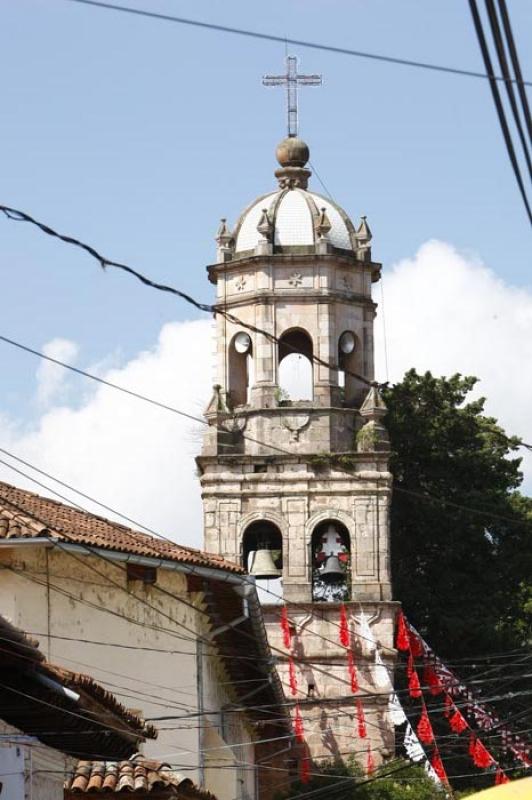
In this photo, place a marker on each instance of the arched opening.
(296, 380)
(259, 536)
(262, 557)
(240, 369)
(331, 562)
(349, 362)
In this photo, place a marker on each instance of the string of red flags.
(438, 679)
(370, 761)
(361, 719)
(299, 729)
(344, 628)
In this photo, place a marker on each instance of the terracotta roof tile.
(139, 775)
(24, 514)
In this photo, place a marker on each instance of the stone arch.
(295, 365)
(270, 517)
(346, 530)
(349, 363)
(240, 370)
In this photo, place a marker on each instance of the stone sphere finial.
(292, 152)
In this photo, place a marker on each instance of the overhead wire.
(479, 30)
(284, 39)
(514, 57)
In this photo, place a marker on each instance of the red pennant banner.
(344, 628)
(361, 720)
(402, 641)
(304, 769)
(414, 686)
(410, 665)
(482, 758)
(351, 665)
(431, 680)
(285, 627)
(298, 726)
(501, 777)
(424, 728)
(370, 762)
(457, 722)
(437, 765)
(292, 679)
(416, 647)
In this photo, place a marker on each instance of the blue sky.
(138, 135)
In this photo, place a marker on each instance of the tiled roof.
(29, 696)
(24, 514)
(139, 776)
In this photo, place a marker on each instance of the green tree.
(394, 781)
(460, 530)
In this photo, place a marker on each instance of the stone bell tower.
(295, 459)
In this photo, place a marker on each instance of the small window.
(260, 468)
(138, 572)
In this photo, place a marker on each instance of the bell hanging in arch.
(263, 565)
(332, 571)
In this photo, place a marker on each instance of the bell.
(332, 571)
(263, 566)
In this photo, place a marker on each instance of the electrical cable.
(16, 215)
(501, 55)
(285, 40)
(503, 10)
(477, 22)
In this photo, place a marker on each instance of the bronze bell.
(332, 571)
(263, 565)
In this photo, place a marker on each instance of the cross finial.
(292, 80)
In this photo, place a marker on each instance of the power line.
(498, 104)
(501, 55)
(515, 63)
(284, 40)
(17, 215)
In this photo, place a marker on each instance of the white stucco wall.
(148, 658)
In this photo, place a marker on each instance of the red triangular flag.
(437, 765)
(370, 763)
(344, 628)
(416, 647)
(457, 722)
(413, 685)
(424, 728)
(501, 777)
(292, 676)
(352, 671)
(298, 726)
(448, 706)
(361, 718)
(410, 665)
(285, 627)
(432, 680)
(304, 769)
(482, 758)
(402, 642)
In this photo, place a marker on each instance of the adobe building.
(294, 467)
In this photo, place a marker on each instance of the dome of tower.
(293, 216)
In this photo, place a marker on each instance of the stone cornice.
(295, 259)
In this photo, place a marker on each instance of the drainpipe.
(201, 707)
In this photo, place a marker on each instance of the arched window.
(259, 536)
(350, 361)
(331, 562)
(296, 380)
(240, 368)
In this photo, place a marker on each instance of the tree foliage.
(460, 530)
(394, 781)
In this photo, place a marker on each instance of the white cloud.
(447, 312)
(444, 311)
(52, 378)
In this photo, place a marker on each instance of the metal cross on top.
(292, 80)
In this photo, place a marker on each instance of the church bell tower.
(294, 465)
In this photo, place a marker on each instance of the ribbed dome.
(294, 216)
